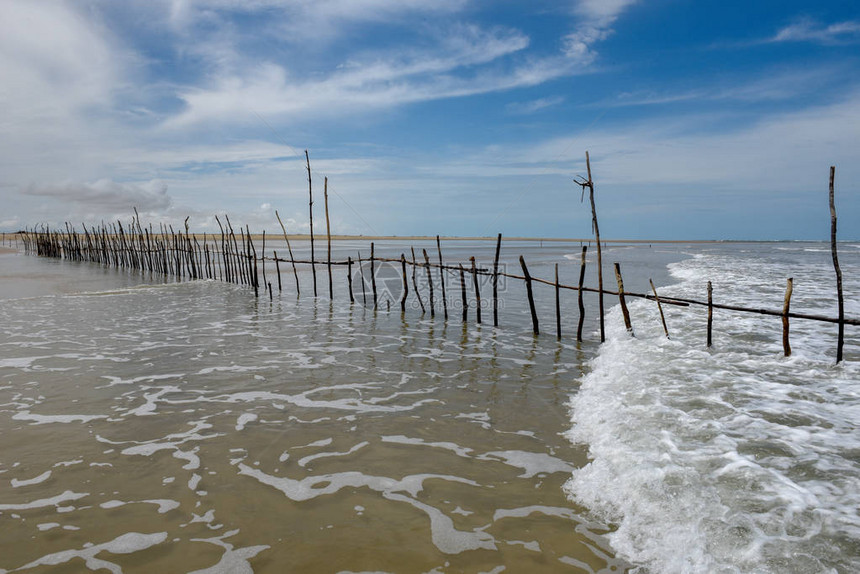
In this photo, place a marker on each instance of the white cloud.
(595, 25)
(533, 106)
(106, 195)
(53, 62)
(810, 31)
(453, 68)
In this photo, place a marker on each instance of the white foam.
(743, 458)
(305, 460)
(66, 496)
(37, 480)
(125, 544)
(244, 420)
(26, 415)
(234, 560)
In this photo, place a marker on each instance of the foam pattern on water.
(733, 459)
(192, 427)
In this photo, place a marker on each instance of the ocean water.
(734, 458)
(188, 426)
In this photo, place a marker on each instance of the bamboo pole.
(311, 211)
(442, 279)
(840, 301)
(624, 310)
(496, 281)
(557, 305)
(660, 308)
(579, 295)
(430, 283)
(328, 238)
(405, 283)
(277, 269)
(477, 290)
(786, 347)
(528, 280)
(710, 312)
(263, 258)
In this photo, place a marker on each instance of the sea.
(150, 423)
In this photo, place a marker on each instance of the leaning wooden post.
(659, 308)
(579, 295)
(621, 300)
(557, 305)
(430, 282)
(786, 347)
(477, 290)
(290, 249)
(496, 282)
(363, 288)
(349, 278)
(528, 279)
(710, 312)
(841, 303)
(328, 238)
(373, 274)
(405, 283)
(311, 210)
(599, 253)
(442, 279)
(463, 293)
(415, 281)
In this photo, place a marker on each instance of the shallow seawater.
(184, 426)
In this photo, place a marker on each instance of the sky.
(702, 120)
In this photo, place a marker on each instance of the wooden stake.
(277, 269)
(430, 282)
(361, 272)
(496, 281)
(624, 310)
(290, 249)
(477, 290)
(710, 312)
(841, 303)
(660, 308)
(405, 283)
(579, 295)
(786, 347)
(463, 294)
(557, 305)
(311, 209)
(599, 252)
(528, 279)
(442, 278)
(373, 275)
(328, 238)
(349, 278)
(415, 281)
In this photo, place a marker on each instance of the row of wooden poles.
(235, 259)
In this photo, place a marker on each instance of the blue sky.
(704, 120)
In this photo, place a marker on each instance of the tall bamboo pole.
(579, 295)
(599, 251)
